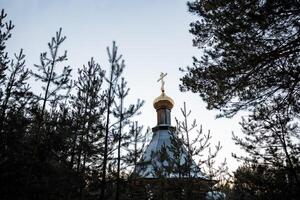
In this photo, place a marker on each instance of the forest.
(80, 139)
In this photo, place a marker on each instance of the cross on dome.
(162, 75)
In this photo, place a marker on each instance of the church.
(165, 170)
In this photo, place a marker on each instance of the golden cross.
(162, 75)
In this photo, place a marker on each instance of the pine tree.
(116, 68)
(16, 91)
(47, 73)
(55, 143)
(198, 147)
(250, 53)
(179, 159)
(251, 62)
(271, 139)
(123, 115)
(88, 109)
(5, 34)
(14, 122)
(136, 145)
(256, 181)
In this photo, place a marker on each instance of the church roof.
(152, 163)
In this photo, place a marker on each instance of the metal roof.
(150, 161)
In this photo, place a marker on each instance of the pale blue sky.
(152, 35)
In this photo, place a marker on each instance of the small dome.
(163, 101)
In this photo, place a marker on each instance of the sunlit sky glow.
(152, 36)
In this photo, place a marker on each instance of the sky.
(152, 35)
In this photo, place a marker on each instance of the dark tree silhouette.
(250, 62)
(260, 182)
(5, 34)
(47, 73)
(88, 115)
(27, 170)
(116, 68)
(123, 116)
(251, 52)
(64, 144)
(272, 138)
(16, 91)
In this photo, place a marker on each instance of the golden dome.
(163, 101)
